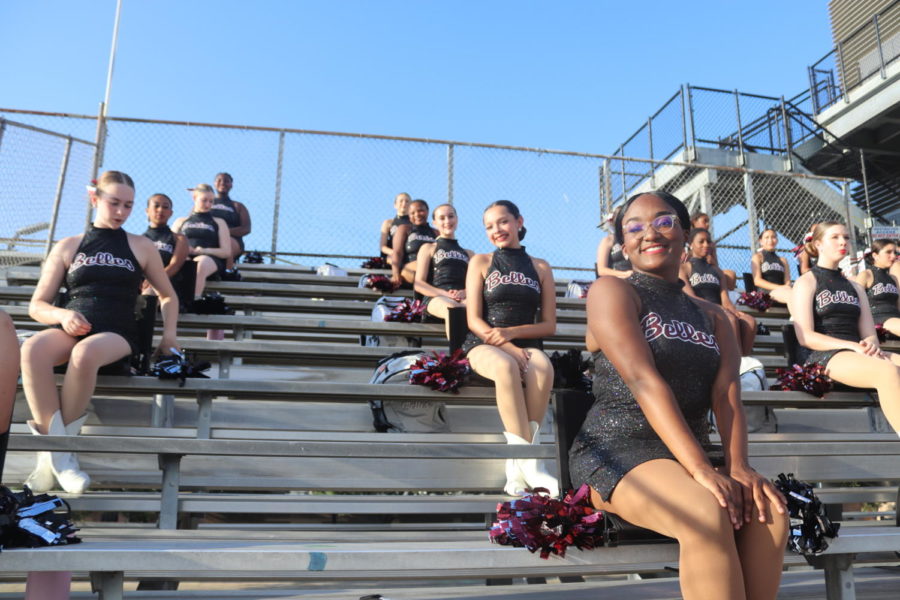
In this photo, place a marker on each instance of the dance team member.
(832, 318)
(207, 237)
(408, 240)
(610, 258)
(881, 286)
(705, 281)
(235, 215)
(505, 290)
(441, 267)
(103, 269)
(389, 226)
(662, 360)
(172, 247)
(9, 377)
(701, 220)
(771, 273)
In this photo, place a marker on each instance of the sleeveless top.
(883, 296)
(201, 230)
(705, 281)
(616, 435)
(104, 281)
(617, 260)
(511, 294)
(418, 235)
(771, 268)
(165, 241)
(223, 207)
(835, 305)
(448, 265)
(395, 224)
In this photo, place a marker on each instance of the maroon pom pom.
(376, 262)
(379, 283)
(881, 332)
(809, 378)
(440, 372)
(759, 301)
(538, 522)
(406, 312)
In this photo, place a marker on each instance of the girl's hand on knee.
(75, 324)
(521, 355)
(726, 490)
(759, 491)
(869, 349)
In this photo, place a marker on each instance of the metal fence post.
(684, 137)
(60, 184)
(99, 143)
(691, 121)
(813, 90)
(624, 187)
(865, 182)
(650, 142)
(277, 208)
(845, 192)
(752, 221)
(788, 142)
(2, 129)
(740, 131)
(607, 190)
(840, 53)
(449, 173)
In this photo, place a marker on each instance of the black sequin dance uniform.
(704, 280)
(202, 231)
(511, 295)
(418, 235)
(616, 436)
(883, 296)
(395, 224)
(104, 281)
(224, 208)
(617, 259)
(448, 266)
(835, 311)
(165, 242)
(771, 268)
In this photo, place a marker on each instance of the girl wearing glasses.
(510, 306)
(103, 269)
(706, 281)
(662, 359)
(832, 318)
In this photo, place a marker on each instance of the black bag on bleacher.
(404, 416)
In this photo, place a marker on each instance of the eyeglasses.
(661, 224)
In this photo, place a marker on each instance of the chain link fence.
(316, 196)
(42, 193)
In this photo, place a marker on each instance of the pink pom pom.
(440, 372)
(379, 283)
(808, 378)
(538, 522)
(759, 301)
(406, 312)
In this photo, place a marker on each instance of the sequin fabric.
(835, 311)
(616, 436)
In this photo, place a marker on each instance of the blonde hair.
(109, 177)
(202, 188)
(818, 232)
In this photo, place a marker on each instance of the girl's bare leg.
(761, 549)
(893, 325)
(662, 496)
(501, 368)
(206, 266)
(858, 370)
(439, 307)
(87, 357)
(40, 353)
(538, 385)
(9, 371)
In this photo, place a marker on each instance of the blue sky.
(571, 75)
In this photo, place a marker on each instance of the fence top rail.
(612, 157)
(731, 92)
(4, 122)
